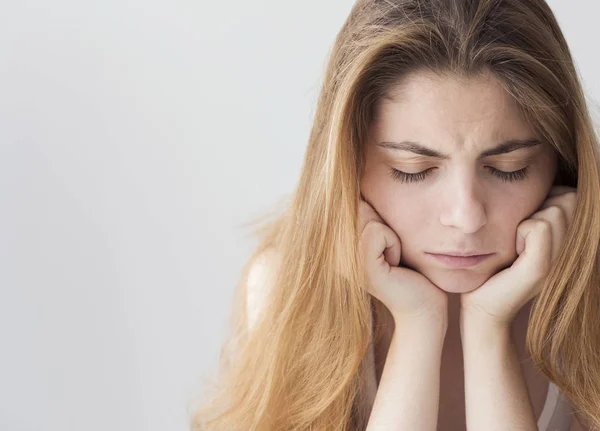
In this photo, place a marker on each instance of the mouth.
(460, 261)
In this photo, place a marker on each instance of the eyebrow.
(505, 147)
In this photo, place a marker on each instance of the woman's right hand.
(406, 293)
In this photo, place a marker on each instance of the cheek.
(405, 211)
(512, 208)
(506, 213)
(505, 222)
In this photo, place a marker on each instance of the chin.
(457, 288)
(457, 281)
(453, 280)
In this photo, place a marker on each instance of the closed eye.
(512, 176)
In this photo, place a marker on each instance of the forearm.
(408, 394)
(496, 397)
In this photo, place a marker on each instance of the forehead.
(426, 105)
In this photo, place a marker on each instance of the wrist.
(435, 324)
(475, 323)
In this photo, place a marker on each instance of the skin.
(460, 204)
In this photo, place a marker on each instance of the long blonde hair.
(299, 368)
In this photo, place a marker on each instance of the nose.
(463, 205)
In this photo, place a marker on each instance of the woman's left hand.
(538, 242)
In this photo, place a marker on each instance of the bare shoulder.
(260, 281)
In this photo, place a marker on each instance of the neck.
(453, 312)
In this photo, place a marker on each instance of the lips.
(462, 254)
(460, 261)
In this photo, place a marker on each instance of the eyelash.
(506, 177)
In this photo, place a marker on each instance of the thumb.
(521, 234)
(533, 243)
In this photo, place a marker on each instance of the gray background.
(135, 138)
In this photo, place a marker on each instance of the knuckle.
(557, 213)
(554, 210)
(543, 225)
(369, 227)
(571, 196)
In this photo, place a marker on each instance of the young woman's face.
(459, 201)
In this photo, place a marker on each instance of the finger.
(366, 214)
(566, 200)
(557, 219)
(534, 236)
(393, 249)
(559, 190)
(368, 211)
(371, 243)
(379, 241)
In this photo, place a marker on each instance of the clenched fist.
(406, 293)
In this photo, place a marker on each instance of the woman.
(444, 127)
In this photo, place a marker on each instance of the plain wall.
(135, 138)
